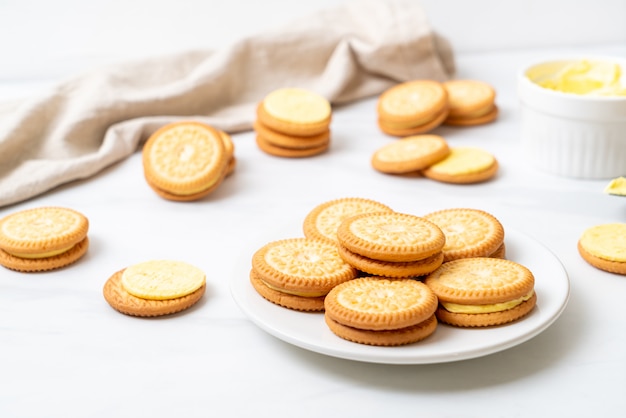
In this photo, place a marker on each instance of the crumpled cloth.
(91, 121)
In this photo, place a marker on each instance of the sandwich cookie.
(481, 292)
(471, 102)
(155, 288)
(297, 273)
(412, 108)
(604, 247)
(324, 220)
(469, 233)
(410, 154)
(464, 165)
(41, 239)
(186, 161)
(381, 312)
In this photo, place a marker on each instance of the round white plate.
(309, 331)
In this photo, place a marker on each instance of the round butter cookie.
(463, 165)
(186, 160)
(480, 292)
(43, 238)
(290, 141)
(277, 151)
(470, 101)
(380, 311)
(118, 297)
(392, 237)
(400, 269)
(295, 111)
(469, 232)
(301, 266)
(162, 279)
(410, 154)
(287, 300)
(324, 220)
(412, 107)
(604, 247)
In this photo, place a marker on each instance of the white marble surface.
(65, 353)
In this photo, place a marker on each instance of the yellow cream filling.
(587, 77)
(464, 160)
(42, 255)
(291, 292)
(488, 308)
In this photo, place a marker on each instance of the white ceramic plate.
(309, 331)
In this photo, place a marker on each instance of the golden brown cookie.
(469, 232)
(480, 119)
(301, 266)
(281, 140)
(604, 247)
(367, 310)
(122, 301)
(323, 220)
(43, 238)
(401, 269)
(277, 151)
(482, 291)
(392, 237)
(464, 165)
(410, 154)
(412, 107)
(287, 300)
(471, 102)
(185, 160)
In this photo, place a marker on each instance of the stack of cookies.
(293, 123)
(412, 108)
(41, 239)
(394, 245)
(186, 161)
(297, 273)
(155, 288)
(471, 102)
(381, 312)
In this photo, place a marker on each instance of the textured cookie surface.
(409, 154)
(412, 103)
(478, 281)
(469, 232)
(380, 304)
(301, 266)
(391, 236)
(162, 279)
(324, 220)
(185, 158)
(42, 232)
(124, 302)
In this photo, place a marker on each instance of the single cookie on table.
(155, 288)
(604, 247)
(469, 233)
(323, 220)
(410, 154)
(41, 239)
(464, 165)
(471, 103)
(380, 311)
(186, 161)
(299, 272)
(412, 108)
(394, 237)
(482, 291)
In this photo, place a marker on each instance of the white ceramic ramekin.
(569, 134)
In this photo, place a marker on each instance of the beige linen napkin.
(93, 120)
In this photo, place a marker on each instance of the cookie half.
(410, 154)
(323, 220)
(464, 165)
(604, 247)
(43, 238)
(469, 232)
(474, 292)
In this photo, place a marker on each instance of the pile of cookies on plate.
(387, 278)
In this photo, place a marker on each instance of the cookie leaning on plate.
(604, 247)
(185, 161)
(380, 311)
(41, 239)
(481, 292)
(297, 273)
(155, 288)
(323, 220)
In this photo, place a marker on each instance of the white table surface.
(64, 352)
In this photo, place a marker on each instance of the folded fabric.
(96, 119)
